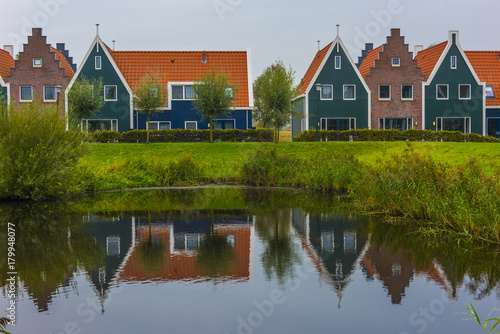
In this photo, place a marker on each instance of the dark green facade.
(112, 110)
(338, 107)
(3, 95)
(454, 114)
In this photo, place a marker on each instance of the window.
(395, 62)
(384, 92)
(224, 124)
(177, 92)
(109, 93)
(26, 93)
(338, 124)
(349, 92)
(92, 125)
(453, 62)
(406, 92)
(338, 62)
(190, 125)
(113, 246)
(327, 92)
(98, 62)
(327, 241)
(188, 92)
(401, 124)
(159, 126)
(464, 92)
(204, 59)
(442, 92)
(37, 62)
(350, 241)
(490, 94)
(461, 124)
(230, 92)
(49, 94)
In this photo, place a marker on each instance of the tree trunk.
(211, 129)
(147, 130)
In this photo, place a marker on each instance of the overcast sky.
(273, 29)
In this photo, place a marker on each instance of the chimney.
(319, 46)
(113, 45)
(9, 49)
(417, 49)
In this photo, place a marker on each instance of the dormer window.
(98, 64)
(453, 62)
(395, 62)
(490, 94)
(204, 58)
(37, 62)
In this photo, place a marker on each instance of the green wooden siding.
(338, 107)
(3, 95)
(454, 107)
(298, 107)
(119, 109)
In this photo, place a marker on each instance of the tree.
(149, 97)
(213, 96)
(273, 93)
(85, 98)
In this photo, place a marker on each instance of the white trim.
(343, 93)
(100, 63)
(8, 92)
(43, 92)
(158, 124)
(423, 105)
(41, 62)
(116, 92)
(340, 62)
(327, 118)
(250, 78)
(169, 92)
(493, 107)
(20, 95)
(321, 93)
(385, 98)
(466, 129)
(470, 92)
(485, 96)
(398, 64)
(298, 97)
(451, 62)
(185, 123)
(86, 120)
(405, 98)
(447, 92)
(230, 119)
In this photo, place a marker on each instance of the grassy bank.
(454, 187)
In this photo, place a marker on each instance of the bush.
(37, 154)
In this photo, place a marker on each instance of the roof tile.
(428, 58)
(487, 67)
(369, 61)
(6, 63)
(311, 71)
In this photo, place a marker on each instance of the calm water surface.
(235, 261)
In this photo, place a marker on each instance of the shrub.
(37, 154)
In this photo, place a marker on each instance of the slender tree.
(149, 97)
(85, 98)
(273, 92)
(213, 96)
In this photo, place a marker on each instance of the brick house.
(395, 82)
(40, 73)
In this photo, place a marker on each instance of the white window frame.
(467, 122)
(158, 124)
(351, 121)
(464, 98)
(492, 91)
(343, 92)
(184, 92)
(447, 92)
(398, 62)
(406, 98)
(338, 65)
(195, 122)
(100, 63)
(55, 94)
(385, 98)
(114, 123)
(453, 62)
(113, 238)
(116, 92)
(321, 93)
(225, 120)
(37, 58)
(20, 95)
(409, 122)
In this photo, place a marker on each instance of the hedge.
(180, 136)
(393, 135)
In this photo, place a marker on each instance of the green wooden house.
(453, 95)
(6, 63)
(333, 94)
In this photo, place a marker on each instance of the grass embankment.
(456, 186)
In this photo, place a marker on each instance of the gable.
(369, 61)
(313, 68)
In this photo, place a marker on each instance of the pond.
(230, 260)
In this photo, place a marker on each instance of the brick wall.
(49, 74)
(383, 73)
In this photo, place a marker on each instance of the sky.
(273, 29)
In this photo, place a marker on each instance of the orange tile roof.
(187, 66)
(63, 62)
(369, 61)
(428, 58)
(6, 63)
(487, 67)
(313, 68)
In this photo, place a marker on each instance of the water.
(235, 261)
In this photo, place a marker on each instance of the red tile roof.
(313, 68)
(369, 61)
(185, 66)
(6, 63)
(63, 62)
(428, 58)
(487, 67)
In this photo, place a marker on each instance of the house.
(395, 82)
(6, 63)
(121, 72)
(40, 74)
(487, 66)
(453, 95)
(333, 94)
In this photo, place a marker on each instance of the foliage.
(484, 325)
(149, 98)
(3, 323)
(85, 98)
(273, 92)
(212, 96)
(37, 154)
